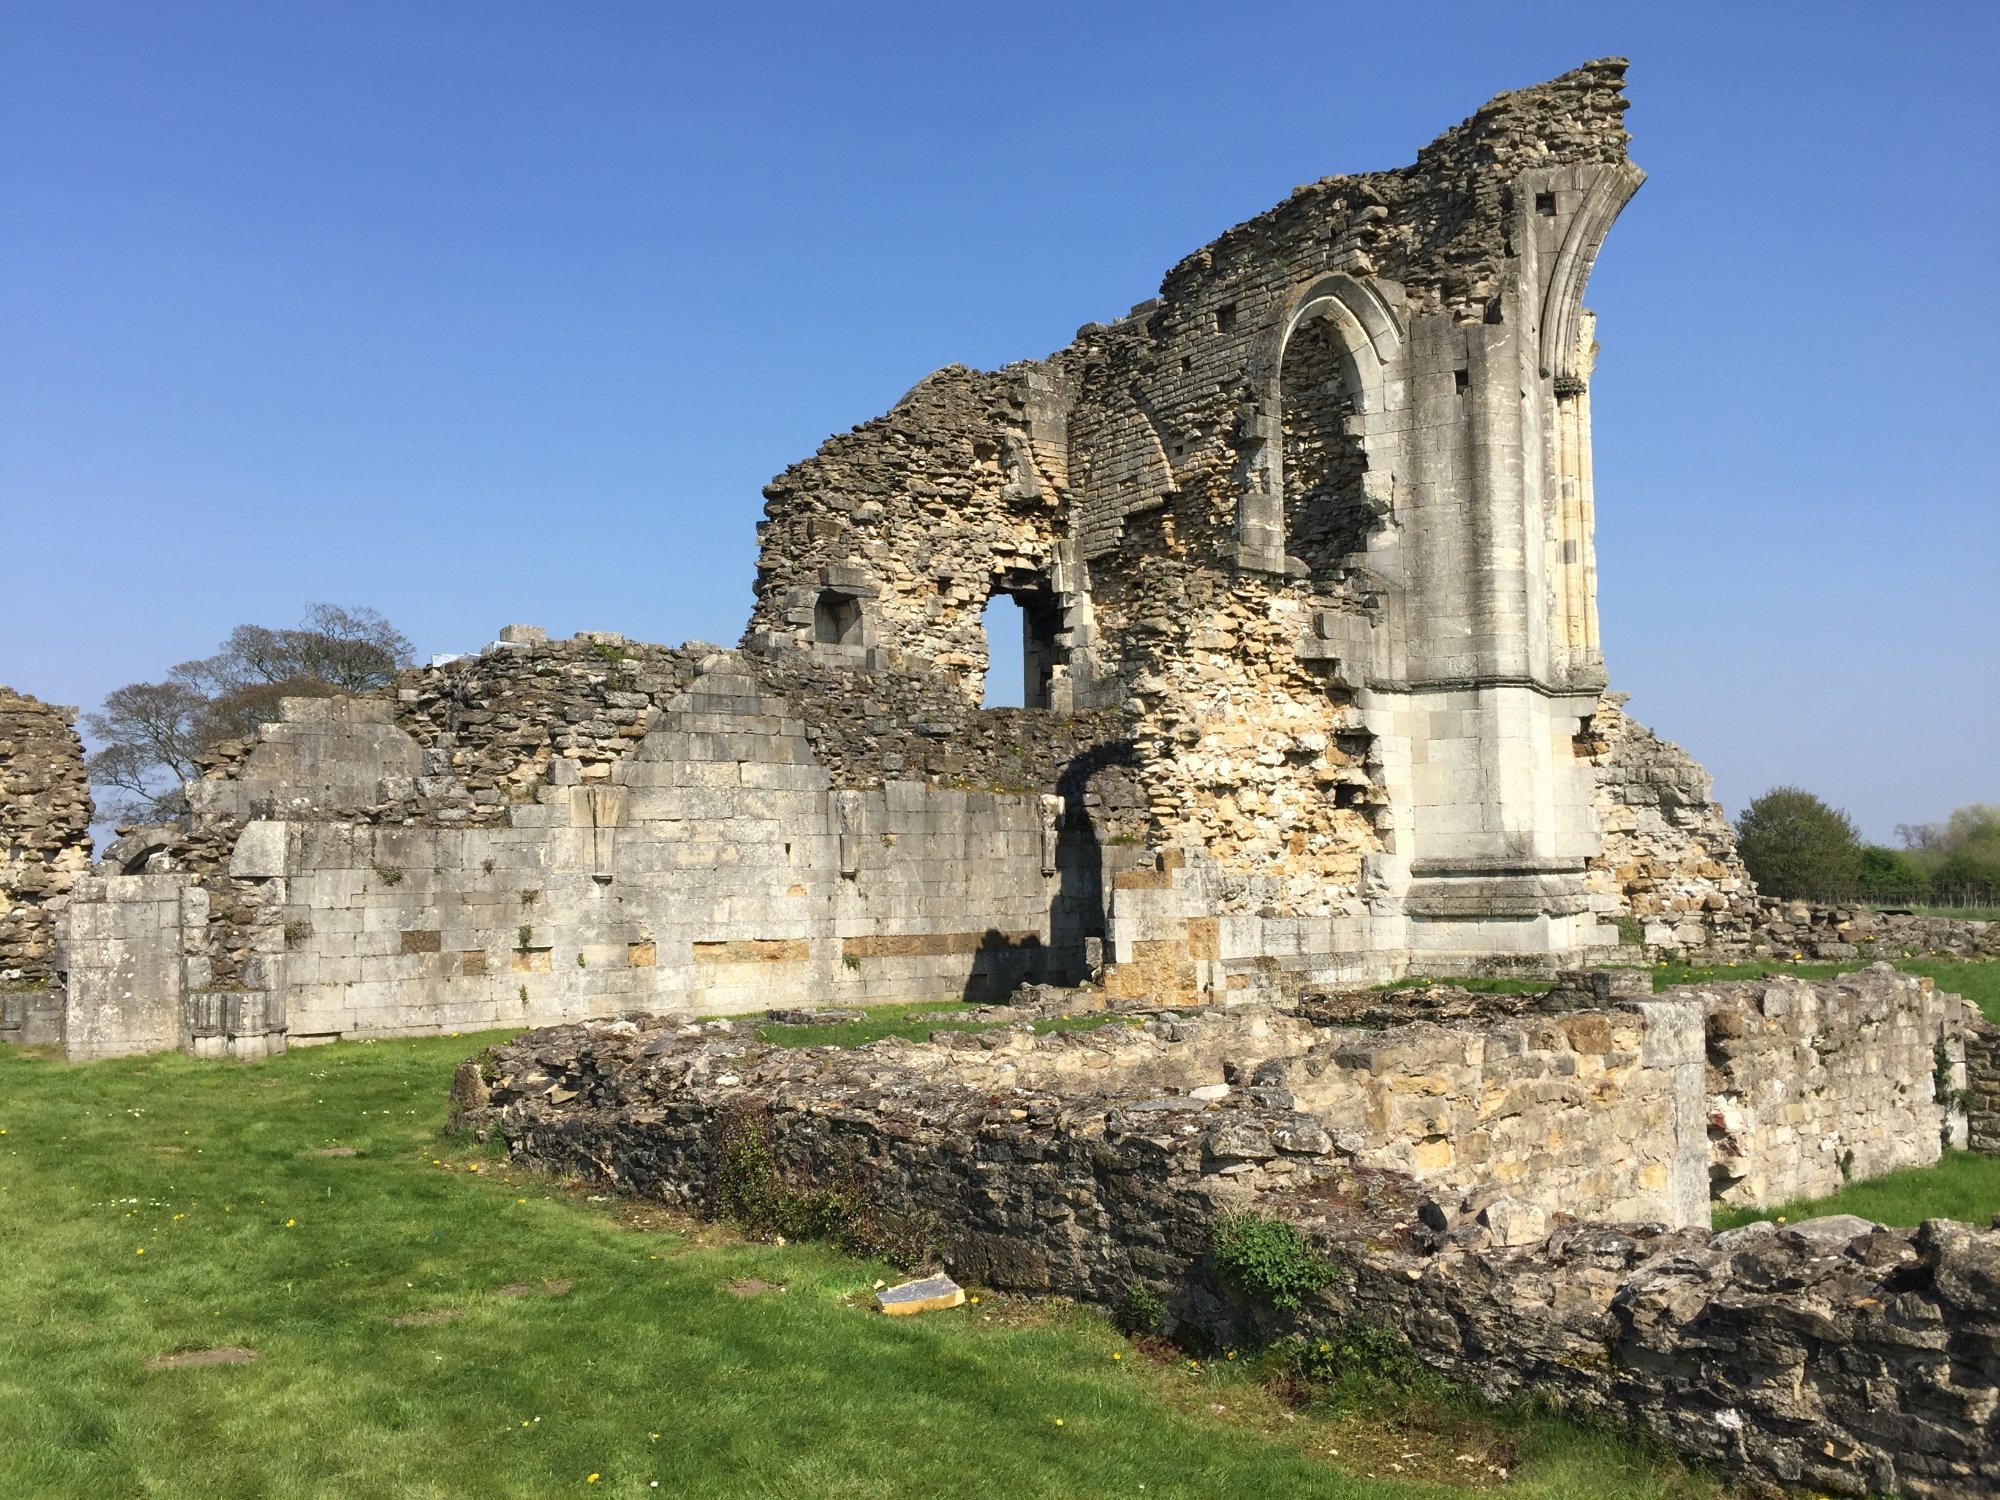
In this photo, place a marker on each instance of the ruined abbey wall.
(1313, 691)
(44, 848)
(1293, 517)
(583, 828)
(1833, 1353)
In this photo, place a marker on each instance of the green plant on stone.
(1140, 1310)
(388, 874)
(579, 961)
(1267, 1258)
(1355, 1349)
(524, 994)
(525, 937)
(1953, 1100)
(751, 1188)
(853, 964)
(1631, 932)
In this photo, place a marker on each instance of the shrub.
(1794, 845)
(1267, 1258)
(751, 1187)
(1893, 872)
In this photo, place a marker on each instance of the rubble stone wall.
(1982, 1086)
(1815, 1084)
(1788, 929)
(45, 816)
(1834, 1353)
(1668, 869)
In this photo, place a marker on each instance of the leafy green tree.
(151, 734)
(1892, 872)
(1794, 845)
(1961, 852)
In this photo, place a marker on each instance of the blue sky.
(479, 312)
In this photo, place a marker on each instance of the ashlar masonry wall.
(714, 866)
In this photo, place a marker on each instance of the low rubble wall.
(1982, 1087)
(1788, 929)
(1835, 1353)
(1815, 1084)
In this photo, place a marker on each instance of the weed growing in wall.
(1141, 1309)
(751, 1187)
(524, 936)
(1267, 1258)
(388, 874)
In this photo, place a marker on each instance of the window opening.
(1020, 650)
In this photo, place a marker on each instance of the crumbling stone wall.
(1245, 510)
(1982, 1086)
(1304, 545)
(1814, 1084)
(44, 847)
(581, 828)
(1668, 865)
(1834, 1353)
(1787, 929)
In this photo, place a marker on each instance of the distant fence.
(1947, 898)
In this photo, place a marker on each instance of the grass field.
(1964, 1185)
(428, 1322)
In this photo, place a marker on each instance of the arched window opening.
(837, 619)
(1327, 515)
(1020, 650)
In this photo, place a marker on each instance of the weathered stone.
(1834, 1354)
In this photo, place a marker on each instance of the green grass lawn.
(422, 1328)
(1964, 1185)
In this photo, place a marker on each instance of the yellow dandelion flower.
(140, 1251)
(590, 1479)
(1058, 1421)
(1117, 1356)
(289, 1223)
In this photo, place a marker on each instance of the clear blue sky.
(479, 312)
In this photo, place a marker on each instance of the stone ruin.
(1519, 1188)
(1303, 548)
(44, 850)
(1314, 700)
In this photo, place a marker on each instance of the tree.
(1794, 845)
(152, 734)
(1961, 852)
(1892, 872)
